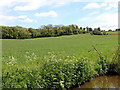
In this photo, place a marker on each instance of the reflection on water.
(102, 82)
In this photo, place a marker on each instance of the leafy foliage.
(51, 72)
(114, 66)
(19, 32)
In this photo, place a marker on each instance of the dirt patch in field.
(15, 39)
(114, 34)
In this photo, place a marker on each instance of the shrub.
(91, 32)
(101, 66)
(96, 32)
(114, 66)
(104, 33)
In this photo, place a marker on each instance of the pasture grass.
(78, 45)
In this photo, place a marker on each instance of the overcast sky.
(34, 13)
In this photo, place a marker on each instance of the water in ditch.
(112, 81)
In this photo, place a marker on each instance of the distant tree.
(75, 31)
(49, 30)
(73, 26)
(55, 32)
(23, 34)
(5, 32)
(60, 32)
(14, 32)
(90, 29)
(117, 30)
(96, 32)
(81, 28)
(43, 32)
(104, 32)
(99, 29)
(42, 26)
(76, 27)
(50, 25)
(109, 30)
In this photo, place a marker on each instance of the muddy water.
(102, 82)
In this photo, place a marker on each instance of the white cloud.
(103, 4)
(24, 5)
(111, 5)
(112, 1)
(36, 4)
(107, 8)
(105, 21)
(108, 20)
(58, 3)
(35, 21)
(4, 3)
(26, 20)
(31, 5)
(47, 14)
(94, 13)
(84, 19)
(22, 16)
(4, 19)
(88, 0)
(8, 19)
(107, 5)
(92, 6)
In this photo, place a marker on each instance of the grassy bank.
(52, 72)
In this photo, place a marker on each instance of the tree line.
(18, 32)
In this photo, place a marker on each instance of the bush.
(91, 32)
(96, 32)
(101, 66)
(114, 65)
(104, 33)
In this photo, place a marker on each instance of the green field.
(77, 45)
(113, 32)
(30, 54)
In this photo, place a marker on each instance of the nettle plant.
(66, 72)
(101, 66)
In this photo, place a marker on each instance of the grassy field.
(30, 54)
(77, 45)
(113, 32)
